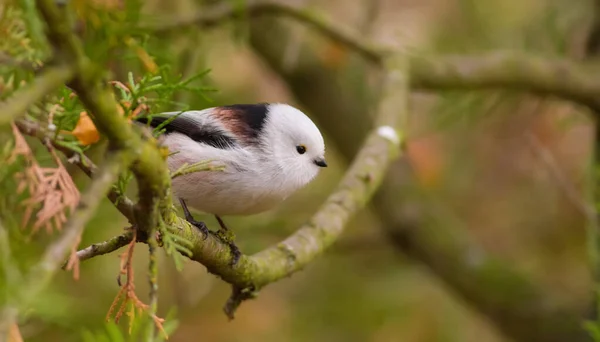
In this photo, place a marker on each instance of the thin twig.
(50, 79)
(104, 247)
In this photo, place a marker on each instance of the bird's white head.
(295, 144)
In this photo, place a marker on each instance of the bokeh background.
(487, 175)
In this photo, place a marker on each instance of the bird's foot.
(228, 237)
(198, 224)
(201, 226)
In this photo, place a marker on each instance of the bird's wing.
(221, 127)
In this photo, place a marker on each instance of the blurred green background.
(508, 170)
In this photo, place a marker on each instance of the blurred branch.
(219, 14)
(520, 310)
(592, 44)
(50, 79)
(520, 71)
(121, 202)
(525, 72)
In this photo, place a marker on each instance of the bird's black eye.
(301, 149)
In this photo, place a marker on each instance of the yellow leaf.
(86, 131)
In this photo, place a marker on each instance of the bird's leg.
(228, 236)
(188, 217)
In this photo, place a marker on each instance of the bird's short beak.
(320, 162)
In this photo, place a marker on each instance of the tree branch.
(104, 247)
(331, 100)
(220, 14)
(354, 191)
(150, 169)
(50, 79)
(561, 78)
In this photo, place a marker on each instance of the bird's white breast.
(247, 185)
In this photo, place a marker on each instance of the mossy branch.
(354, 191)
(104, 247)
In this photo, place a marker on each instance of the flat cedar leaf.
(85, 131)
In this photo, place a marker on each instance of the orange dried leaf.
(143, 56)
(14, 334)
(334, 55)
(85, 131)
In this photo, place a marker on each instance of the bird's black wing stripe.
(249, 119)
(206, 134)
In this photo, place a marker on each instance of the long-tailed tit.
(268, 151)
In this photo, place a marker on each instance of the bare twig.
(104, 247)
(50, 79)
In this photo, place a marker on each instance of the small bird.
(267, 151)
